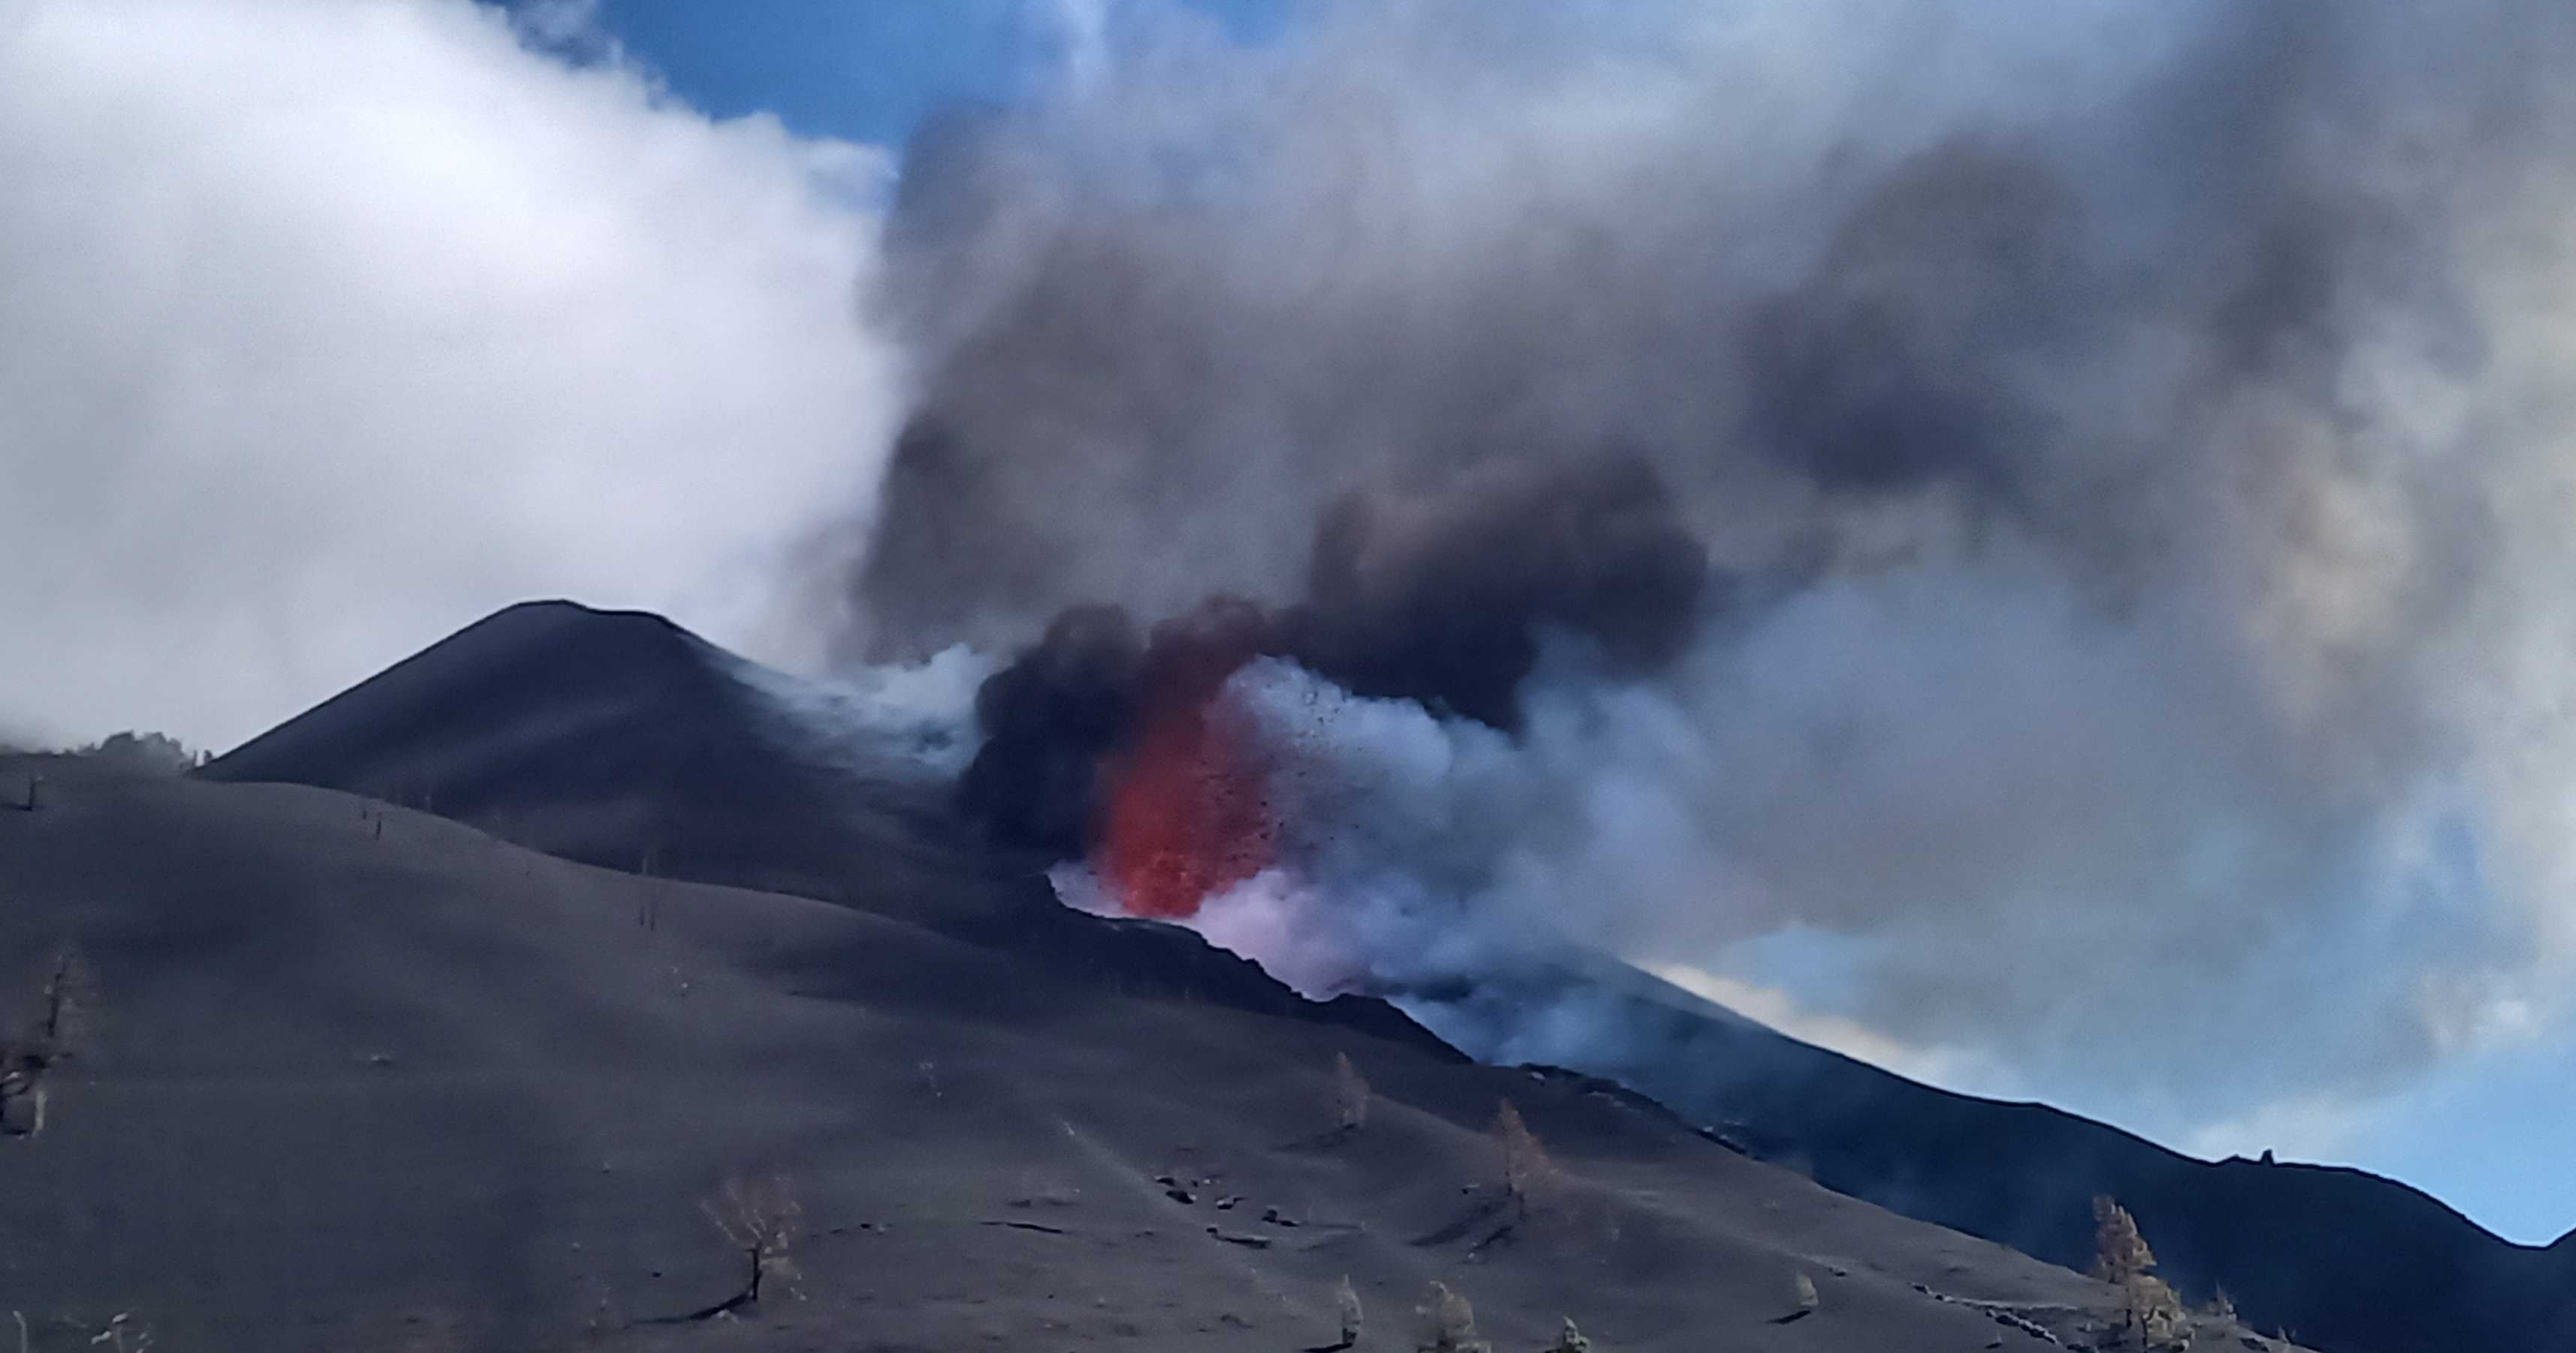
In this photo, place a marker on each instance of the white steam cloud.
(327, 326)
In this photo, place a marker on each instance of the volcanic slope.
(2350, 1261)
(617, 738)
(620, 739)
(358, 1077)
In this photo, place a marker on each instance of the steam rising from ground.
(2126, 443)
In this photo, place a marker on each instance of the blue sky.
(2476, 1133)
(864, 70)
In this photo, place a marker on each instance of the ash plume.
(1439, 601)
(2056, 513)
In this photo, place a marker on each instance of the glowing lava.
(1189, 817)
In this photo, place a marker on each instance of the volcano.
(431, 1019)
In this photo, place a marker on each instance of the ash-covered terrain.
(348, 1074)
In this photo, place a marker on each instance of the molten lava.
(1188, 817)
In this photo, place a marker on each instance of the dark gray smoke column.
(2124, 439)
(1440, 601)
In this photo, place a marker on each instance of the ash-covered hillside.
(547, 721)
(354, 1075)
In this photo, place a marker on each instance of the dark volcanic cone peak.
(1102, 734)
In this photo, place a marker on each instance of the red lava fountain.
(1188, 817)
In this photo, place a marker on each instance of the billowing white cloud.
(329, 325)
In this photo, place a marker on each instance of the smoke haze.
(2111, 461)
